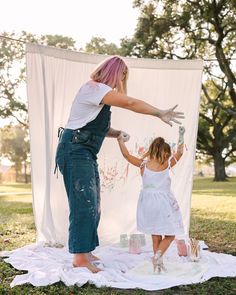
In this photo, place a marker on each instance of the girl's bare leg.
(156, 239)
(165, 243)
(82, 260)
(158, 259)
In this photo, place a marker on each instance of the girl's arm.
(117, 99)
(180, 147)
(131, 159)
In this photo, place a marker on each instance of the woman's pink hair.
(113, 72)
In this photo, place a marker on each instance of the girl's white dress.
(158, 211)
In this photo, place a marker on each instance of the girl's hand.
(181, 135)
(123, 136)
(169, 115)
(181, 130)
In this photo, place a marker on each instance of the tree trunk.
(219, 165)
(16, 172)
(25, 172)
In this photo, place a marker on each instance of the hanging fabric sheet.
(53, 79)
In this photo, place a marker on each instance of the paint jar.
(124, 242)
(143, 239)
(194, 251)
(135, 244)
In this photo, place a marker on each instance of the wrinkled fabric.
(120, 269)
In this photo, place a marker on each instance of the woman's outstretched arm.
(117, 99)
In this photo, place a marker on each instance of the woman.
(81, 140)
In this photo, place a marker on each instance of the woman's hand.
(123, 136)
(130, 158)
(113, 133)
(169, 115)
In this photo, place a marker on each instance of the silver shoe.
(162, 267)
(157, 261)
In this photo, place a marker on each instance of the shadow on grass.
(206, 186)
(216, 193)
(9, 208)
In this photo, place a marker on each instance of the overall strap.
(60, 132)
(142, 167)
(59, 135)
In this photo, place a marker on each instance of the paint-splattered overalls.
(76, 158)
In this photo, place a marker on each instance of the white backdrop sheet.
(53, 78)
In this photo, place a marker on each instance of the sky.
(80, 19)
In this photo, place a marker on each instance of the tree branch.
(229, 153)
(206, 118)
(228, 119)
(24, 124)
(216, 103)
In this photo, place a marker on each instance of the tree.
(14, 139)
(216, 132)
(99, 45)
(59, 41)
(127, 47)
(12, 71)
(193, 29)
(15, 147)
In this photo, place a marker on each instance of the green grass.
(213, 216)
(213, 220)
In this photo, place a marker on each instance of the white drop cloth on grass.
(46, 266)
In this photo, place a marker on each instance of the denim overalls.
(76, 158)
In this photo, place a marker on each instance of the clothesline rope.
(9, 38)
(21, 41)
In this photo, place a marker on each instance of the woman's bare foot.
(81, 260)
(92, 257)
(89, 266)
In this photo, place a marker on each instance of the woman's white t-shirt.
(86, 105)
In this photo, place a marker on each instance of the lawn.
(213, 220)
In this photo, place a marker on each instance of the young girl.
(158, 212)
